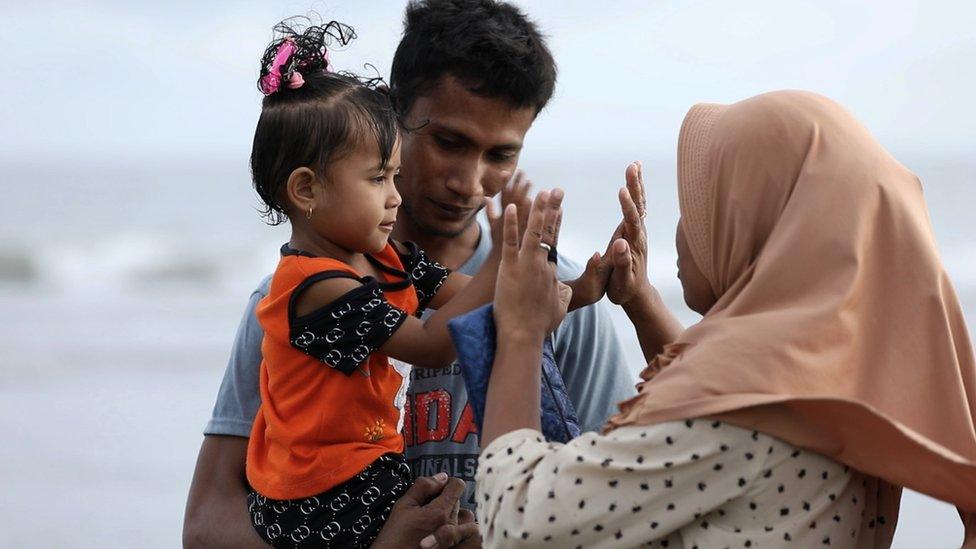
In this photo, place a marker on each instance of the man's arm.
(216, 509)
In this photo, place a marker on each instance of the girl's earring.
(309, 214)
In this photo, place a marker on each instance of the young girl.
(325, 454)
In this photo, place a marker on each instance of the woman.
(832, 365)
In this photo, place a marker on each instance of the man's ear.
(301, 189)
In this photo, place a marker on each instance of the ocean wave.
(147, 261)
(135, 262)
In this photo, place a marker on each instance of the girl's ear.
(301, 189)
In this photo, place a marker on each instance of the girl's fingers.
(510, 236)
(599, 267)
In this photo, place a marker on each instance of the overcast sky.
(171, 79)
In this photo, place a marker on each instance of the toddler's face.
(360, 202)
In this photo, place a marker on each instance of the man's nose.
(466, 180)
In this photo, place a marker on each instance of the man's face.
(467, 149)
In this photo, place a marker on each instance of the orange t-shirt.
(317, 426)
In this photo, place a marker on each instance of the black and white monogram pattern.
(349, 515)
(426, 275)
(344, 333)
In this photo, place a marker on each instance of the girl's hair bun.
(299, 47)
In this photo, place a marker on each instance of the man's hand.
(429, 508)
(464, 534)
(516, 191)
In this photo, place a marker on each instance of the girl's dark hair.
(318, 122)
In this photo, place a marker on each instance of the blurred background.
(130, 238)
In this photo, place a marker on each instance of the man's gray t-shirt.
(440, 433)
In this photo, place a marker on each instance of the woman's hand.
(529, 300)
(628, 285)
(529, 303)
(627, 251)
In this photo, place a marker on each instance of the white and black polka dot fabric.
(685, 484)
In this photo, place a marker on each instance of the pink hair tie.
(296, 80)
(328, 62)
(271, 82)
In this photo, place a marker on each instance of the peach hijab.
(836, 327)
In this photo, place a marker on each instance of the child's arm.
(425, 344)
(589, 288)
(515, 192)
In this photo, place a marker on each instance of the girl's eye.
(381, 179)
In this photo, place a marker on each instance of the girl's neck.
(317, 245)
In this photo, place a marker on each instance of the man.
(468, 78)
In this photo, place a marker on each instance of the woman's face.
(697, 290)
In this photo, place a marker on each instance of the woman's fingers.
(553, 218)
(534, 225)
(621, 256)
(635, 187)
(633, 224)
(510, 234)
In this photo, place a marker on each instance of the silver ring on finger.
(551, 255)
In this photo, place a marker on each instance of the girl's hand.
(627, 252)
(529, 301)
(516, 191)
(592, 284)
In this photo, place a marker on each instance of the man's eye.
(501, 156)
(446, 143)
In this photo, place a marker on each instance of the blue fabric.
(474, 338)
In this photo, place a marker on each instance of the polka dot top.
(682, 484)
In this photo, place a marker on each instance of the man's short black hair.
(490, 46)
